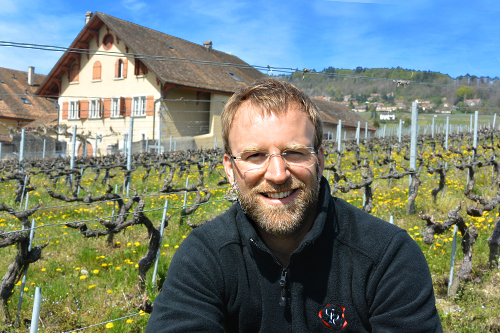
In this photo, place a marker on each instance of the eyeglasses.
(256, 161)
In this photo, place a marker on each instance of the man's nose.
(277, 171)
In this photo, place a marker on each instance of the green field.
(85, 282)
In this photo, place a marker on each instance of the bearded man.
(289, 257)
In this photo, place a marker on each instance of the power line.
(287, 70)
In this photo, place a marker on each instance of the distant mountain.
(398, 84)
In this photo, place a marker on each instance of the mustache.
(290, 184)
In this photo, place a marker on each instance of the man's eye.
(254, 156)
(294, 152)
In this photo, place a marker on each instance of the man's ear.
(321, 159)
(228, 168)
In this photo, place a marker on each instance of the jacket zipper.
(284, 273)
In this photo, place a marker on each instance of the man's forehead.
(249, 111)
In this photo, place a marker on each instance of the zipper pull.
(283, 287)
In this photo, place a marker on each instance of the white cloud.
(8, 7)
(134, 5)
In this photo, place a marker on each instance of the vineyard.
(98, 228)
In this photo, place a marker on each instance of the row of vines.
(95, 246)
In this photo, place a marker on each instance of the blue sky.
(452, 37)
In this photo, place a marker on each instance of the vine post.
(413, 149)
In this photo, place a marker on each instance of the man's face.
(280, 199)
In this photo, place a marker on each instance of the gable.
(172, 60)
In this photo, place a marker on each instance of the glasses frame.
(265, 165)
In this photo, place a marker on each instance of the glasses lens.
(259, 161)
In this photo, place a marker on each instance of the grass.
(84, 282)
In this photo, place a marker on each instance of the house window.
(120, 68)
(140, 68)
(117, 107)
(74, 110)
(25, 100)
(94, 108)
(73, 73)
(96, 72)
(139, 106)
(107, 42)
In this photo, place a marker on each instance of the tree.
(465, 91)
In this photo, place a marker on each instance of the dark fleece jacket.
(352, 272)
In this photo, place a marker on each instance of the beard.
(282, 219)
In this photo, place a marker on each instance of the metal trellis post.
(165, 207)
(23, 283)
(453, 249)
(35, 315)
(413, 146)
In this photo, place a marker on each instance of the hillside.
(438, 89)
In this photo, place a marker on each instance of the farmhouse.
(388, 116)
(331, 113)
(18, 106)
(116, 70)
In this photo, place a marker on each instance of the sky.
(453, 37)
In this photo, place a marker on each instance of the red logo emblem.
(332, 315)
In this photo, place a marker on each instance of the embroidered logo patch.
(332, 315)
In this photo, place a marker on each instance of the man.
(289, 257)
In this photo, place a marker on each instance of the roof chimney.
(208, 45)
(88, 16)
(31, 75)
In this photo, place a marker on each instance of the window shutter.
(125, 61)
(136, 67)
(96, 73)
(150, 105)
(128, 106)
(84, 109)
(79, 108)
(122, 106)
(116, 68)
(106, 107)
(65, 110)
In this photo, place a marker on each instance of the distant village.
(376, 101)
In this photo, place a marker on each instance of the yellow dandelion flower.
(77, 268)
(109, 291)
(83, 277)
(129, 321)
(58, 269)
(92, 286)
(110, 325)
(118, 268)
(44, 269)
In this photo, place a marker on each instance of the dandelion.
(44, 269)
(109, 291)
(104, 265)
(118, 268)
(176, 247)
(83, 277)
(95, 271)
(129, 321)
(166, 245)
(137, 243)
(58, 269)
(110, 325)
(92, 286)
(77, 268)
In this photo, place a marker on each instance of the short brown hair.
(270, 96)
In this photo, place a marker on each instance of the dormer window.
(25, 100)
(231, 74)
